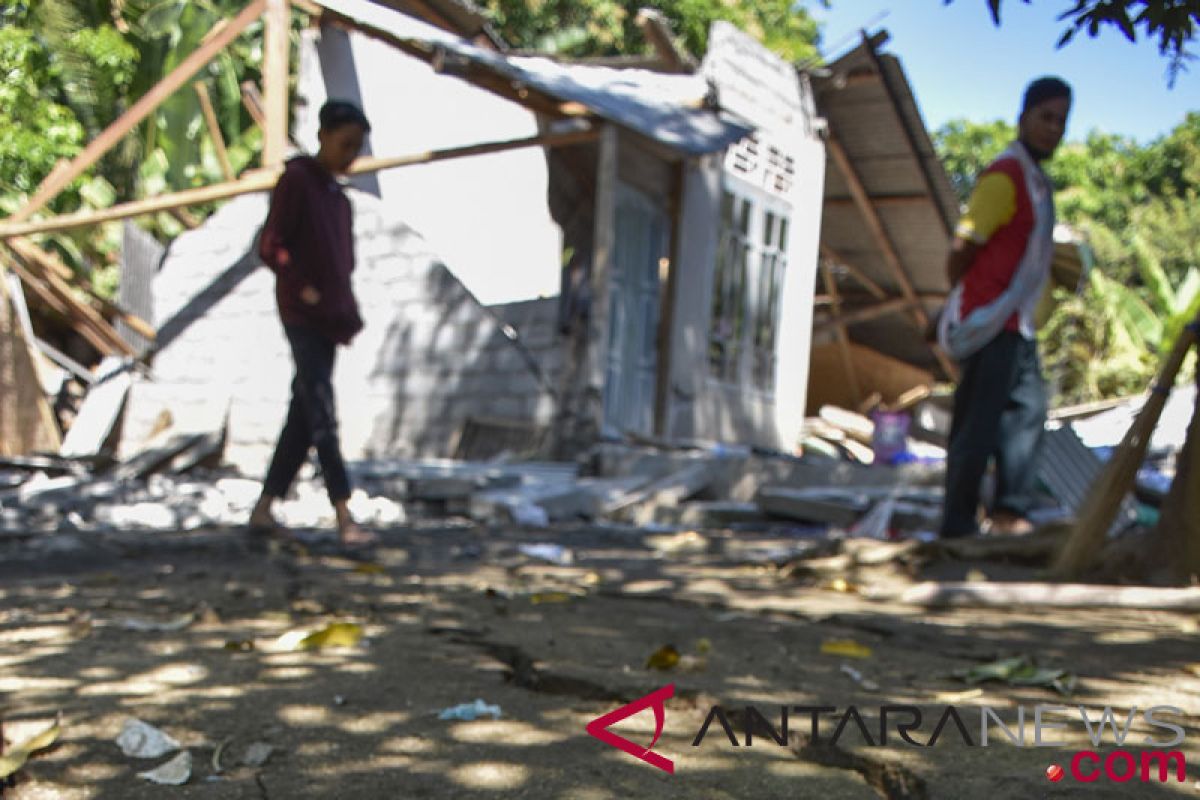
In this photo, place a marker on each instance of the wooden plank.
(276, 19)
(843, 339)
(1051, 595)
(82, 313)
(893, 306)
(375, 164)
(480, 76)
(666, 314)
(262, 180)
(214, 129)
(52, 299)
(110, 136)
(51, 263)
(253, 182)
(871, 286)
(26, 420)
(603, 265)
(252, 100)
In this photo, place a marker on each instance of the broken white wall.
(762, 88)
(485, 215)
(429, 356)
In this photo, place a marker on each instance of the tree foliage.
(608, 27)
(72, 67)
(1174, 23)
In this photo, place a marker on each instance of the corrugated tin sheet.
(666, 108)
(873, 115)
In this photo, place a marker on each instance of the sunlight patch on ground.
(375, 723)
(304, 715)
(28, 686)
(490, 775)
(409, 745)
(507, 732)
(41, 633)
(286, 674)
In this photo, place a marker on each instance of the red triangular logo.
(656, 699)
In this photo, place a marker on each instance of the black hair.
(336, 113)
(1043, 89)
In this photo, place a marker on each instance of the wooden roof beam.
(875, 225)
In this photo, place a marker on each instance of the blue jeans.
(311, 419)
(999, 412)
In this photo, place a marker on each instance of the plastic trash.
(141, 740)
(470, 711)
(890, 438)
(554, 553)
(175, 772)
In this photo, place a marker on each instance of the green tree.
(608, 27)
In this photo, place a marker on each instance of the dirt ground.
(454, 611)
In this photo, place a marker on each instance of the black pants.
(311, 419)
(1000, 412)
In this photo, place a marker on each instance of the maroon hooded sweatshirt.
(308, 240)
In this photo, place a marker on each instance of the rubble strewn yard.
(555, 596)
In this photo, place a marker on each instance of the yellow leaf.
(15, 758)
(369, 568)
(845, 647)
(335, 634)
(549, 597)
(664, 658)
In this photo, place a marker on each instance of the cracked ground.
(454, 612)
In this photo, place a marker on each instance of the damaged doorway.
(642, 247)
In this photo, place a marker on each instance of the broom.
(1118, 475)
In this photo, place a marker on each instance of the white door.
(642, 245)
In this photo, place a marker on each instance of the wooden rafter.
(277, 19)
(843, 339)
(871, 286)
(59, 179)
(489, 80)
(895, 305)
(262, 180)
(214, 129)
(879, 234)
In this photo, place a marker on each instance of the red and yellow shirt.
(999, 218)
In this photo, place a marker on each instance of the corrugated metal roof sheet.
(669, 109)
(873, 116)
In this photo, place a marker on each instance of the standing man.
(998, 267)
(308, 241)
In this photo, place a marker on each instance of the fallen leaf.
(847, 648)
(15, 758)
(369, 568)
(335, 634)
(550, 597)
(664, 658)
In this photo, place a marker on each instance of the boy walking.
(308, 243)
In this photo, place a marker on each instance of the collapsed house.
(681, 236)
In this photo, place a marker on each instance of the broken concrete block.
(148, 516)
(823, 504)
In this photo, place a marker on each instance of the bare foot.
(1006, 524)
(350, 535)
(265, 522)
